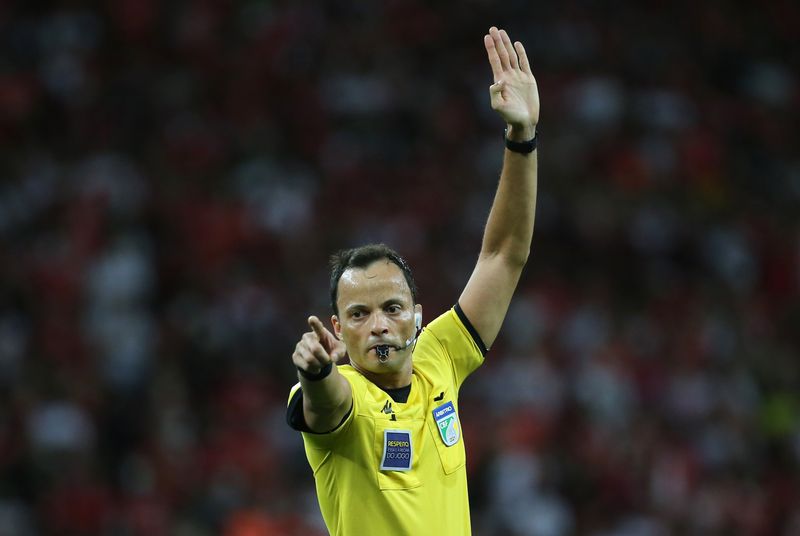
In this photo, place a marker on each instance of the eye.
(357, 314)
(393, 309)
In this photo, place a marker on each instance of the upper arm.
(488, 293)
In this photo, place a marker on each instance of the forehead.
(376, 283)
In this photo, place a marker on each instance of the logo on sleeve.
(397, 450)
(447, 423)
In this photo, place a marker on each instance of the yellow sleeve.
(451, 338)
(324, 440)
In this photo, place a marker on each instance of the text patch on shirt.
(447, 423)
(397, 450)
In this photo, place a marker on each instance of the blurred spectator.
(175, 175)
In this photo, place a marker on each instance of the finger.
(301, 357)
(500, 47)
(320, 353)
(306, 361)
(524, 63)
(338, 352)
(512, 55)
(494, 59)
(311, 343)
(315, 324)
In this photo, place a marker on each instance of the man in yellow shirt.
(383, 434)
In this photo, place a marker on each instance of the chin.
(371, 363)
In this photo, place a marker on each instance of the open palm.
(514, 94)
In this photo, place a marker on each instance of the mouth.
(382, 351)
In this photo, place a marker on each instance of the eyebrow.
(390, 301)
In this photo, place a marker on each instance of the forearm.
(325, 401)
(509, 228)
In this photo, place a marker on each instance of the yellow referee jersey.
(398, 468)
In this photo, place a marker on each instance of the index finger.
(320, 331)
(494, 58)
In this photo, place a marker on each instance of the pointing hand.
(317, 348)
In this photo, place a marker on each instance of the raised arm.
(509, 229)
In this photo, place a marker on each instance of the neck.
(390, 379)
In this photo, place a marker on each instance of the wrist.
(323, 373)
(520, 132)
(524, 147)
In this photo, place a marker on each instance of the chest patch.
(397, 450)
(447, 423)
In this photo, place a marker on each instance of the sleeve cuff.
(473, 333)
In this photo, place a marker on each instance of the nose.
(379, 325)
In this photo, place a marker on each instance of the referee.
(383, 434)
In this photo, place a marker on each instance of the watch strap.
(522, 147)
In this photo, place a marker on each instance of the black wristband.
(323, 373)
(523, 147)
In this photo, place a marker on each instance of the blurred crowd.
(175, 175)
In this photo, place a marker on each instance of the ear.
(418, 316)
(337, 327)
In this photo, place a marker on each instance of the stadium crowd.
(175, 175)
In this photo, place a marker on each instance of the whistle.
(383, 352)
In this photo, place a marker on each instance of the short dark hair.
(361, 257)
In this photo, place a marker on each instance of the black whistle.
(382, 351)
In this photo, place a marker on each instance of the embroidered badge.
(447, 423)
(397, 450)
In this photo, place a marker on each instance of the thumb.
(339, 351)
(496, 93)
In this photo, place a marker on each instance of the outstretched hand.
(317, 348)
(514, 94)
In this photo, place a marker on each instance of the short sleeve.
(452, 337)
(296, 420)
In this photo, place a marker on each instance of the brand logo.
(398, 453)
(447, 423)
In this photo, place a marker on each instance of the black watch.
(523, 147)
(321, 375)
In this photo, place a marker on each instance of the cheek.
(350, 332)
